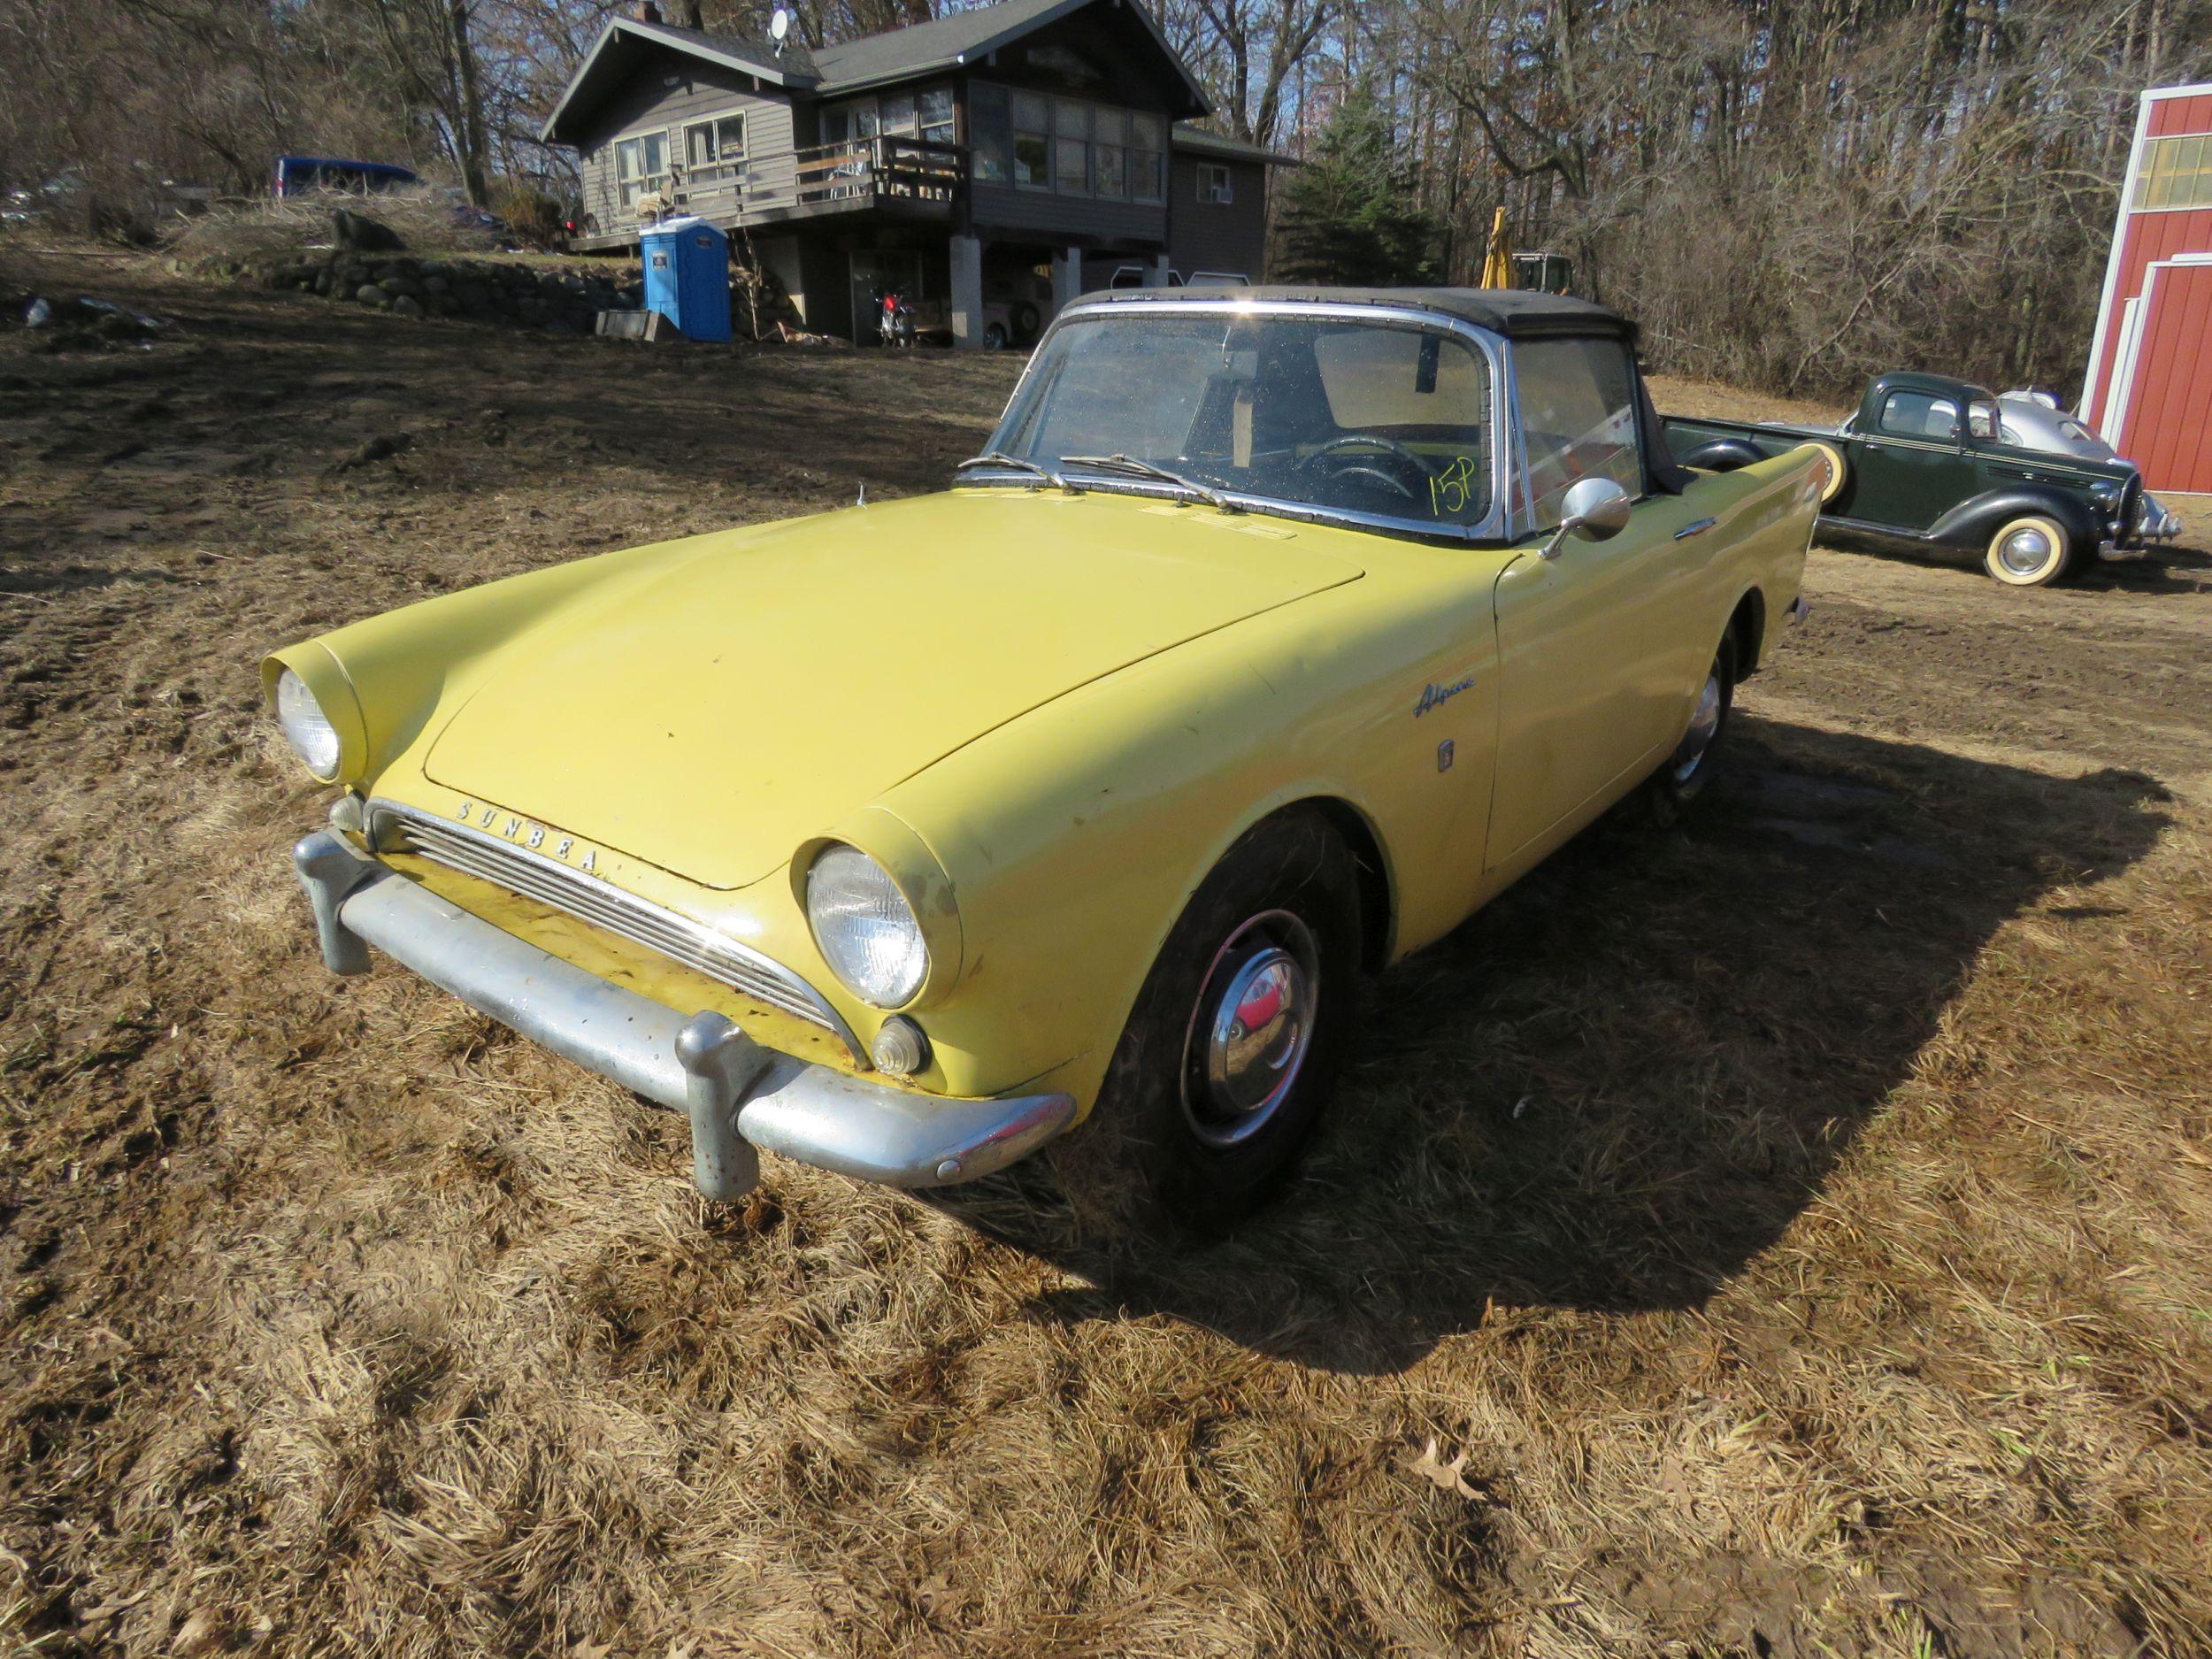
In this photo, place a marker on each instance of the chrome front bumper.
(739, 1096)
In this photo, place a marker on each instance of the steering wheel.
(1382, 446)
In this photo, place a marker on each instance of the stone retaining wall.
(557, 301)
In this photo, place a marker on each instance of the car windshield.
(1343, 415)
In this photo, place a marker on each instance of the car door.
(1914, 465)
(1595, 645)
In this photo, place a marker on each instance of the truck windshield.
(1343, 415)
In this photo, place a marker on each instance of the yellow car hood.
(757, 687)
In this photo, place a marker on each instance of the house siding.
(767, 177)
(1213, 235)
(1076, 220)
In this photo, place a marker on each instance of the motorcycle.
(894, 322)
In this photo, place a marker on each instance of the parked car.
(1134, 276)
(300, 175)
(2035, 420)
(1925, 465)
(1269, 638)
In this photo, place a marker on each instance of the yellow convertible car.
(1274, 633)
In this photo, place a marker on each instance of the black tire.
(994, 337)
(1161, 1158)
(1669, 792)
(1027, 317)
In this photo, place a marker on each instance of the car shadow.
(1626, 1077)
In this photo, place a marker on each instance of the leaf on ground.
(1446, 1477)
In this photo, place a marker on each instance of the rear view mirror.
(1596, 509)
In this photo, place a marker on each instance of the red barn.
(2150, 366)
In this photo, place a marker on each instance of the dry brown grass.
(1802, 1225)
(425, 218)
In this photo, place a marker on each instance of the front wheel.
(2029, 552)
(994, 337)
(1234, 1045)
(1670, 789)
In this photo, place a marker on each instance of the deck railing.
(917, 169)
(761, 189)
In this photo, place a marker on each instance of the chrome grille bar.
(592, 901)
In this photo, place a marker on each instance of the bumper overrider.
(740, 1095)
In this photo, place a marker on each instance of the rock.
(406, 305)
(380, 448)
(358, 230)
(433, 283)
(369, 294)
(441, 305)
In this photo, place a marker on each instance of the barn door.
(2165, 425)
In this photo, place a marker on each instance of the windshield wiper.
(1129, 463)
(999, 457)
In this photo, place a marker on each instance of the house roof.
(1199, 142)
(873, 60)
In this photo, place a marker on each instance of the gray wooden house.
(989, 165)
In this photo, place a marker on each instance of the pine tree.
(1349, 215)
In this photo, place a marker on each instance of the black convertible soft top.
(1513, 313)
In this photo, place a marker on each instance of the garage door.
(2167, 428)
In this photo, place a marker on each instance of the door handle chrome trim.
(1696, 526)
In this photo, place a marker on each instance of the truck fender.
(1721, 455)
(1972, 522)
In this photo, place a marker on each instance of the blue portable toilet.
(687, 276)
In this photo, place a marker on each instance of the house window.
(1068, 145)
(1214, 186)
(897, 117)
(2177, 173)
(1071, 146)
(991, 134)
(641, 166)
(1145, 154)
(1110, 139)
(708, 143)
(938, 124)
(1032, 141)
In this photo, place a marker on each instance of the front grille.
(589, 899)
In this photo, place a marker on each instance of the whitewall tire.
(2030, 551)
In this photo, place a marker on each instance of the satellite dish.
(779, 26)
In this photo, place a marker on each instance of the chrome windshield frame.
(1492, 529)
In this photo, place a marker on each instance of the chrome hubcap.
(2025, 551)
(1251, 1031)
(1704, 725)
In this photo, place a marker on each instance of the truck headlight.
(864, 928)
(306, 727)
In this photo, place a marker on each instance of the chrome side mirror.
(1597, 510)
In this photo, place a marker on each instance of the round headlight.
(864, 927)
(306, 727)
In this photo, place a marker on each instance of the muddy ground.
(1788, 1235)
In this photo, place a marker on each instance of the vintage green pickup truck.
(1924, 465)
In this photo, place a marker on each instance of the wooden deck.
(905, 178)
